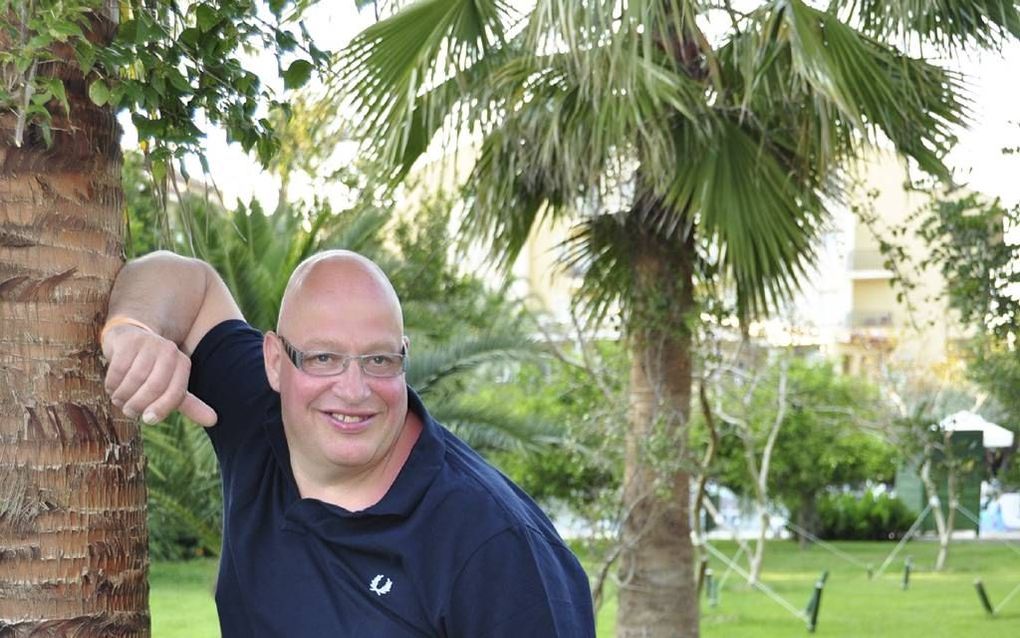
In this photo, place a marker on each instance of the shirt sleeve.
(521, 583)
(228, 373)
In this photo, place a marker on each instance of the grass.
(935, 605)
(181, 599)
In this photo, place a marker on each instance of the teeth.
(345, 418)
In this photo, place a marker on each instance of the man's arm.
(178, 300)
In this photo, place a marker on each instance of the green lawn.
(181, 599)
(935, 605)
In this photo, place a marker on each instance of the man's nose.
(351, 383)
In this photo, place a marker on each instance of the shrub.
(848, 516)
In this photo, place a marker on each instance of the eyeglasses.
(326, 364)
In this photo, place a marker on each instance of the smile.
(345, 418)
(349, 422)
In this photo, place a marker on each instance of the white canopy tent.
(992, 435)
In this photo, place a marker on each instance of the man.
(348, 511)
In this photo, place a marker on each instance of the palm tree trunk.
(658, 596)
(73, 539)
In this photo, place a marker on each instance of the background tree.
(940, 458)
(830, 438)
(757, 398)
(966, 236)
(583, 393)
(967, 239)
(72, 498)
(678, 156)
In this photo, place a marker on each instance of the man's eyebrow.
(325, 345)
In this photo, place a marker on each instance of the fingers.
(173, 391)
(145, 373)
(148, 376)
(198, 411)
(155, 371)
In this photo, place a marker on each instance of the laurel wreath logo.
(378, 590)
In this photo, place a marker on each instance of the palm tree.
(686, 160)
(72, 495)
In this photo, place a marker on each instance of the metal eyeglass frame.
(297, 357)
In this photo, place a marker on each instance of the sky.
(995, 124)
(978, 159)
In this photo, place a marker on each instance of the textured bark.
(657, 594)
(73, 538)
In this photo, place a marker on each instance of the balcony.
(867, 264)
(863, 319)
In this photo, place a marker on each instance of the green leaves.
(745, 139)
(99, 93)
(297, 74)
(61, 30)
(31, 35)
(869, 87)
(947, 24)
(170, 66)
(55, 88)
(276, 6)
(761, 222)
(391, 62)
(206, 17)
(966, 241)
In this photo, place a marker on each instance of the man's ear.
(272, 355)
(407, 344)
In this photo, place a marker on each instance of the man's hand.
(148, 376)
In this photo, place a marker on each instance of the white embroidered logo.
(380, 590)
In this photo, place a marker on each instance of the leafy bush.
(847, 516)
(185, 499)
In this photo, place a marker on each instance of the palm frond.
(558, 148)
(945, 23)
(760, 221)
(439, 363)
(872, 87)
(390, 63)
(359, 231)
(592, 106)
(490, 428)
(606, 41)
(184, 489)
(601, 248)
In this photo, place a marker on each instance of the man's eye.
(322, 358)
(380, 359)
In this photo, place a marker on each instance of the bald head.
(337, 277)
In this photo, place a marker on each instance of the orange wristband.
(121, 320)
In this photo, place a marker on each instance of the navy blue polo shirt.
(453, 549)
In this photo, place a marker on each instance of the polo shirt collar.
(413, 480)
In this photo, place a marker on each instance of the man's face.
(345, 424)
